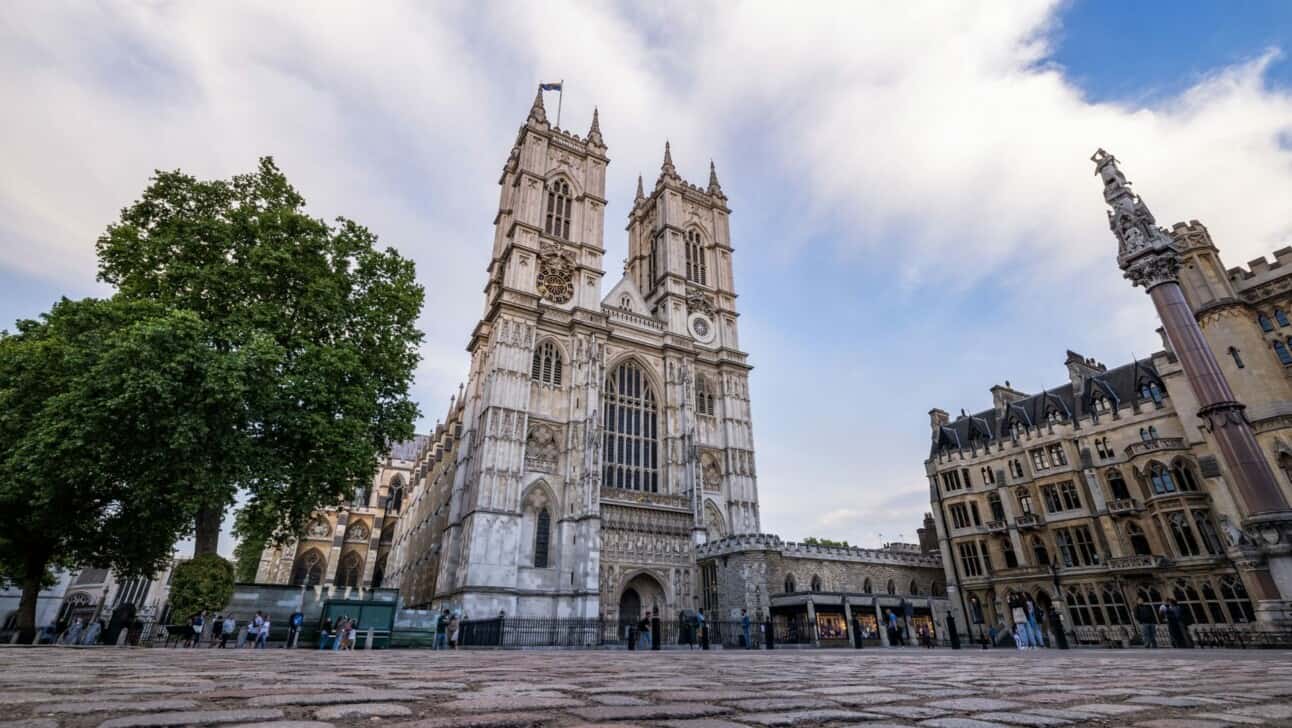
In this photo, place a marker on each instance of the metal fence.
(520, 633)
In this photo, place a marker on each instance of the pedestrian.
(342, 631)
(352, 634)
(746, 635)
(643, 634)
(243, 634)
(230, 625)
(1175, 624)
(1033, 625)
(294, 628)
(91, 636)
(890, 620)
(704, 629)
(1019, 615)
(454, 624)
(217, 629)
(262, 640)
(73, 634)
(325, 638)
(1147, 623)
(199, 622)
(442, 630)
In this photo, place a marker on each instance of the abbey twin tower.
(598, 440)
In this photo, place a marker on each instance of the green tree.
(337, 314)
(204, 582)
(246, 555)
(106, 410)
(829, 543)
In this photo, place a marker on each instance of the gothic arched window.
(546, 367)
(1161, 479)
(308, 569)
(892, 587)
(542, 538)
(1281, 349)
(351, 570)
(1150, 389)
(1117, 484)
(937, 590)
(816, 583)
(1210, 539)
(914, 589)
(1185, 542)
(559, 204)
(1039, 552)
(866, 587)
(1280, 317)
(703, 396)
(1100, 403)
(696, 270)
(1265, 323)
(1138, 541)
(631, 431)
(1184, 477)
(789, 584)
(1235, 596)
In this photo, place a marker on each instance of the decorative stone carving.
(698, 301)
(357, 533)
(710, 472)
(318, 529)
(1152, 270)
(555, 274)
(542, 449)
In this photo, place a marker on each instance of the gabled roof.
(627, 286)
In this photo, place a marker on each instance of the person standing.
(442, 630)
(746, 631)
(704, 629)
(294, 628)
(454, 623)
(263, 640)
(253, 629)
(199, 622)
(1033, 625)
(217, 629)
(324, 637)
(1175, 624)
(890, 620)
(1019, 615)
(230, 625)
(1147, 624)
(342, 630)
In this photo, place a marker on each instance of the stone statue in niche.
(541, 449)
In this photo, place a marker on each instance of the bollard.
(123, 636)
(367, 640)
(36, 640)
(13, 640)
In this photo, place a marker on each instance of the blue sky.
(915, 216)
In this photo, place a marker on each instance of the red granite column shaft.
(1253, 478)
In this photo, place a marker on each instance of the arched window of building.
(631, 438)
(816, 583)
(1150, 389)
(1138, 540)
(790, 586)
(1188, 597)
(1284, 357)
(1115, 604)
(1265, 323)
(937, 590)
(866, 588)
(542, 538)
(703, 396)
(696, 270)
(1186, 543)
(892, 587)
(559, 204)
(1238, 359)
(351, 571)
(1161, 479)
(1280, 317)
(1183, 474)
(1236, 601)
(308, 569)
(1212, 602)
(546, 366)
(1117, 484)
(1039, 552)
(1100, 403)
(914, 589)
(1024, 500)
(1078, 607)
(1285, 464)
(1207, 531)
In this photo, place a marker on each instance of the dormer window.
(559, 204)
(696, 270)
(1280, 317)
(1284, 357)
(1151, 390)
(1100, 404)
(1264, 322)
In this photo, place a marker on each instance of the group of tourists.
(447, 627)
(225, 628)
(339, 636)
(1176, 618)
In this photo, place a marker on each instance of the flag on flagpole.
(550, 86)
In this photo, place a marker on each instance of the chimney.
(1002, 395)
(938, 418)
(1080, 370)
(928, 535)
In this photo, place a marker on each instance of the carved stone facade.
(575, 474)
(1167, 477)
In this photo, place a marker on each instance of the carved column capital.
(1153, 270)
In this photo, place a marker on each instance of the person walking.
(746, 633)
(262, 641)
(1019, 615)
(454, 623)
(253, 629)
(1147, 624)
(342, 631)
(1033, 625)
(199, 622)
(217, 629)
(1175, 624)
(294, 628)
(442, 630)
(890, 620)
(704, 629)
(325, 638)
(227, 629)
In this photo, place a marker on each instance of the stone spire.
(641, 194)
(1145, 252)
(537, 113)
(594, 134)
(715, 189)
(667, 169)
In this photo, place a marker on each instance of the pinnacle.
(594, 133)
(536, 112)
(667, 167)
(641, 194)
(714, 187)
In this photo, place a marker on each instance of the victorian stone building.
(345, 548)
(1166, 477)
(599, 438)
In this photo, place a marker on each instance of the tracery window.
(1184, 477)
(1024, 501)
(1115, 604)
(1117, 484)
(816, 583)
(1212, 603)
(308, 570)
(351, 570)
(559, 204)
(546, 366)
(1078, 608)
(789, 584)
(542, 538)
(696, 270)
(892, 587)
(1161, 479)
(1150, 389)
(1207, 530)
(1138, 540)
(1236, 601)
(1188, 598)
(1185, 542)
(703, 396)
(631, 441)
(866, 586)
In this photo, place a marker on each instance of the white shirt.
(264, 628)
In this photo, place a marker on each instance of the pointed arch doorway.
(640, 596)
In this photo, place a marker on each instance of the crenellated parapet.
(1262, 278)
(1191, 234)
(893, 554)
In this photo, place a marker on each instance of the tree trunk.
(33, 575)
(206, 539)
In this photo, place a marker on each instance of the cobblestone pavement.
(120, 688)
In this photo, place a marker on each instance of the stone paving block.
(30, 723)
(495, 703)
(1066, 713)
(1272, 711)
(11, 698)
(701, 723)
(682, 696)
(849, 689)
(975, 704)
(482, 720)
(619, 700)
(362, 710)
(914, 712)
(284, 724)
(103, 706)
(961, 723)
(650, 712)
(1110, 708)
(192, 717)
(1182, 723)
(1023, 719)
(333, 698)
(808, 716)
(1232, 718)
(870, 699)
(763, 705)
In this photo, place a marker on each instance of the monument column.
(1149, 257)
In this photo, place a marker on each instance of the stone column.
(1150, 258)
(883, 625)
(811, 618)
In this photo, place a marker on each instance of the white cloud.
(929, 139)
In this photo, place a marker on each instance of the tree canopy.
(333, 316)
(830, 543)
(107, 409)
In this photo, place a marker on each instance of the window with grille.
(959, 515)
(542, 538)
(1069, 495)
(546, 367)
(970, 561)
(1057, 456)
(630, 424)
(559, 204)
(1161, 479)
(696, 270)
(703, 396)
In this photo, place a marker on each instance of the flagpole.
(560, 96)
